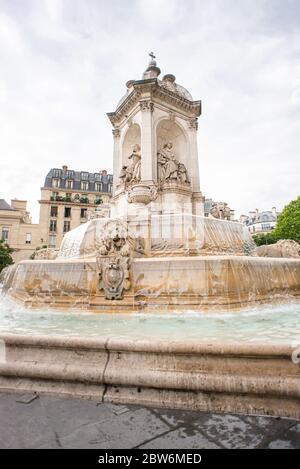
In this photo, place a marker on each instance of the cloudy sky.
(64, 64)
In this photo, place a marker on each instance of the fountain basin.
(239, 378)
(197, 283)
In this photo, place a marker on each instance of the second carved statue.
(169, 168)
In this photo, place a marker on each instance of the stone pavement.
(33, 421)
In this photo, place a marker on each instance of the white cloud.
(64, 64)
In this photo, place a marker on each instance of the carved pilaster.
(193, 124)
(116, 133)
(146, 105)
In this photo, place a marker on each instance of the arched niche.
(167, 131)
(132, 136)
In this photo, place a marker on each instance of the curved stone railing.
(238, 378)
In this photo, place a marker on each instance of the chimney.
(103, 172)
(65, 167)
(274, 211)
(19, 204)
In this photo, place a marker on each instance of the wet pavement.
(38, 421)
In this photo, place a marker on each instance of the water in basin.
(263, 324)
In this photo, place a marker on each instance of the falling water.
(70, 247)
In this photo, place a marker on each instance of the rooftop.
(77, 177)
(5, 206)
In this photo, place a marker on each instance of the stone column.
(147, 141)
(194, 166)
(116, 158)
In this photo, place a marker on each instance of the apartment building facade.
(17, 230)
(68, 198)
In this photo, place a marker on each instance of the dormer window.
(55, 182)
(84, 176)
(56, 173)
(98, 187)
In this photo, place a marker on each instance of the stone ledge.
(223, 377)
(155, 345)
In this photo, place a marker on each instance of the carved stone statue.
(169, 169)
(182, 173)
(132, 172)
(283, 248)
(116, 245)
(116, 239)
(221, 211)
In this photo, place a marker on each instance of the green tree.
(265, 238)
(5, 255)
(288, 222)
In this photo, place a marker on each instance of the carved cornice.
(182, 104)
(153, 90)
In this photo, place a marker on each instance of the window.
(66, 226)
(84, 176)
(266, 226)
(67, 213)
(83, 213)
(55, 182)
(53, 211)
(52, 226)
(28, 238)
(84, 185)
(69, 196)
(52, 241)
(98, 186)
(70, 174)
(109, 187)
(56, 173)
(98, 200)
(97, 176)
(5, 232)
(69, 184)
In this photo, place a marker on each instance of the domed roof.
(168, 82)
(175, 88)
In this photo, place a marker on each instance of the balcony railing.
(81, 200)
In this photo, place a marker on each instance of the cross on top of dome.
(152, 71)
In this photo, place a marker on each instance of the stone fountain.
(156, 249)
